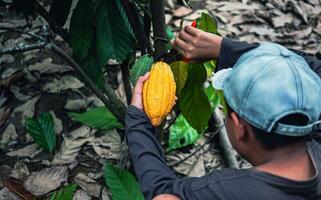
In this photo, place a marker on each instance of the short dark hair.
(271, 140)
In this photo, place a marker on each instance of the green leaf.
(207, 23)
(170, 36)
(121, 184)
(93, 69)
(98, 118)
(210, 67)
(194, 103)
(142, 65)
(114, 40)
(214, 96)
(82, 28)
(181, 134)
(65, 193)
(180, 71)
(42, 131)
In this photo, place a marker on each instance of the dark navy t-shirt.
(155, 177)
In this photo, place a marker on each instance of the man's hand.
(137, 99)
(196, 45)
(166, 197)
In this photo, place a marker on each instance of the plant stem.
(26, 47)
(126, 81)
(159, 27)
(107, 101)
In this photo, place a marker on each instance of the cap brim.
(219, 78)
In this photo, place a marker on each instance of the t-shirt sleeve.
(232, 50)
(154, 176)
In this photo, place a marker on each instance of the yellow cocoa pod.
(159, 92)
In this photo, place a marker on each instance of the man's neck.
(292, 162)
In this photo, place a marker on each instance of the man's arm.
(232, 50)
(154, 176)
(199, 46)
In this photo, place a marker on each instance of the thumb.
(140, 82)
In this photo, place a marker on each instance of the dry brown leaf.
(16, 186)
(182, 11)
(72, 144)
(88, 184)
(81, 195)
(46, 180)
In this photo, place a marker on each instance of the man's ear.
(239, 125)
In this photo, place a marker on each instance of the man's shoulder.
(219, 177)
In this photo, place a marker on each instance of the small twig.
(200, 147)
(38, 37)
(88, 81)
(171, 122)
(160, 38)
(126, 76)
(26, 47)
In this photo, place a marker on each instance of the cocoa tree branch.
(159, 27)
(107, 101)
(225, 144)
(126, 75)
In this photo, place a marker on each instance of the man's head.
(273, 98)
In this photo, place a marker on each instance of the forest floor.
(38, 81)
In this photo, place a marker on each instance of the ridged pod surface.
(159, 92)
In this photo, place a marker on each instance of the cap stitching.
(298, 83)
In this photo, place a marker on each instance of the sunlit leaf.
(213, 95)
(42, 130)
(98, 118)
(207, 23)
(181, 134)
(121, 184)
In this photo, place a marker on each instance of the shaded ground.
(38, 81)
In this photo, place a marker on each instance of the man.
(275, 102)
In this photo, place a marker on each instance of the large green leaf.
(65, 193)
(180, 71)
(114, 39)
(82, 28)
(181, 134)
(93, 69)
(207, 23)
(194, 103)
(42, 131)
(121, 184)
(98, 118)
(213, 95)
(141, 66)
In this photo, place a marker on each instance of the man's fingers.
(180, 45)
(191, 30)
(140, 82)
(185, 37)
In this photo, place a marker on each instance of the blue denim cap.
(269, 83)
